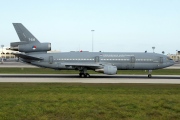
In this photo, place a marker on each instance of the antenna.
(163, 52)
(153, 49)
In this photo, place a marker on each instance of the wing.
(87, 65)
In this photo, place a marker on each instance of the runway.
(16, 65)
(95, 78)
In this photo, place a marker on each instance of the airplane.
(34, 52)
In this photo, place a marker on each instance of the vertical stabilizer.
(24, 34)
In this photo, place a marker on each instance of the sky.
(120, 25)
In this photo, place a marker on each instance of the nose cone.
(172, 62)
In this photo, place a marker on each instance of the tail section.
(28, 43)
(24, 34)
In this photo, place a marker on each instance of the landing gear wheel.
(149, 73)
(83, 72)
(149, 76)
(87, 75)
(82, 75)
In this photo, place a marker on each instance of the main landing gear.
(83, 73)
(149, 74)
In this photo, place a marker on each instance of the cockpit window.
(168, 58)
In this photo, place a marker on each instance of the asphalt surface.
(98, 78)
(16, 65)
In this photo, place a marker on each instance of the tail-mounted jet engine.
(30, 47)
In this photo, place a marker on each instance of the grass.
(43, 101)
(51, 71)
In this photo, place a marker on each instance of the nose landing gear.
(149, 74)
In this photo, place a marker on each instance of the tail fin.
(24, 34)
(28, 42)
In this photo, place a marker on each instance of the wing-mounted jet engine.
(108, 69)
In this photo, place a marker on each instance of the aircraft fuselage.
(35, 53)
(123, 61)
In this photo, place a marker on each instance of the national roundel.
(34, 47)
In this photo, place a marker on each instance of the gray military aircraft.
(34, 52)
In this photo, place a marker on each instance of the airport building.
(175, 57)
(7, 54)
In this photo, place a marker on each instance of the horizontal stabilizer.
(28, 57)
(15, 44)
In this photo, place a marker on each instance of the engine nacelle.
(108, 69)
(30, 47)
(37, 47)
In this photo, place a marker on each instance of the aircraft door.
(96, 59)
(133, 59)
(132, 63)
(161, 60)
(50, 59)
